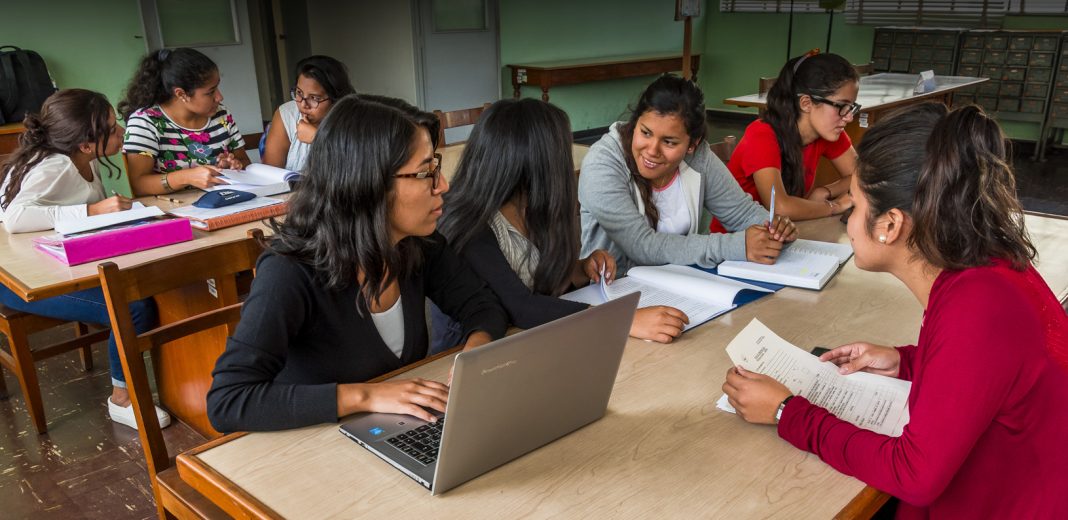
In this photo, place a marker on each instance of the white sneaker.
(125, 415)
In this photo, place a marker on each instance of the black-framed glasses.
(313, 101)
(434, 173)
(844, 108)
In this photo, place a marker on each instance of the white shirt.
(298, 151)
(52, 190)
(671, 203)
(390, 325)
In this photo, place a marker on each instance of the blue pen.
(771, 210)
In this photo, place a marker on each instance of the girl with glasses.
(321, 81)
(339, 293)
(808, 108)
(178, 133)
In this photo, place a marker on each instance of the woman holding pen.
(178, 133)
(644, 184)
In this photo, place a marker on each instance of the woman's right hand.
(865, 357)
(406, 396)
(203, 177)
(841, 204)
(660, 323)
(760, 247)
(109, 205)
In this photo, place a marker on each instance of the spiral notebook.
(803, 263)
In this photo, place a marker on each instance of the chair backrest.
(724, 148)
(455, 118)
(221, 263)
(864, 69)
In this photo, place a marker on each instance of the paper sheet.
(137, 211)
(877, 403)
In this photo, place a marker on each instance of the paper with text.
(873, 402)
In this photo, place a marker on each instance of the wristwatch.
(782, 405)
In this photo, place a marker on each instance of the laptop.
(507, 398)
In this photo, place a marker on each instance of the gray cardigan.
(612, 220)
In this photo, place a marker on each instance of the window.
(770, 6)
(928, 13)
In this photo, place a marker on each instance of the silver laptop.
(508, 398)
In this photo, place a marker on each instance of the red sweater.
(988, 430)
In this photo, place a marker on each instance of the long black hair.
(329, 73)
(160, 72)
(520, 150)
(338, 218)
(950, 172)
(667, 95)
(67, 119)
(814, 75)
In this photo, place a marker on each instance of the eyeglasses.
(844, 108)
(313, 101)
(434, 173)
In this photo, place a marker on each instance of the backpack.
(24, 83)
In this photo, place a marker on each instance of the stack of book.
(113, 234)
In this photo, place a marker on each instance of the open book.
(702, 296)
(261, 179)
(803, 263)
(873, 402)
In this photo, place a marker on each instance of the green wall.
(550, 30)
(94, 45)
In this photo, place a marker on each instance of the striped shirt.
(151, 132)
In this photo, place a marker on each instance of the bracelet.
(166, 183)
(782, 406)
(830, 194)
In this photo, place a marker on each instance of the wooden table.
(547, 74)
(879, 95)
(663, 449)
(185, 366)
(451, 154)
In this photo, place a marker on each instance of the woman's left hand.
(756, 397)
(228, 161)
(600, 261)
(783, 229)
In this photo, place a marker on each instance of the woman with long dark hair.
(935, 206)
(644, 184)
(809, 106)
(339, 295)
(320, 82)
(55, 175)
(178, 133)
(512, 213)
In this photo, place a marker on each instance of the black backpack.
(24, 83)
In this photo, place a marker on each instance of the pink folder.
(84, 248)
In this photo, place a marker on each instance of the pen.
(168, 199)
(771, 210)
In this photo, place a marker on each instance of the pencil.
(168, 199)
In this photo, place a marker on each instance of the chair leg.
(86, 352)
(3, 384)
(27, 375)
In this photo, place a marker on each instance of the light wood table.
(879, 95)
(451, 154)
(548, 74)
(183, 367)
(662, 450)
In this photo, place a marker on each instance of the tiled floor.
(88, 467)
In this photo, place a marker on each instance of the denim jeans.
(88, 307)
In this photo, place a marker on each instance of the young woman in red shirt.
(809, 106)
(935, 205)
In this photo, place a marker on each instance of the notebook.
(116, 240)
(261, 179)
(210, 219)
(803, 263)
(507, 398)
(699, 294)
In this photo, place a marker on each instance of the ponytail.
(811, 74)
(159, 73)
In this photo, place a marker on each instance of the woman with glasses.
(178, 133)
(321, 81)
(808, 108)
(339, 293)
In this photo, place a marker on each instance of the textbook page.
(137, 211)
(814, 247)
(869, 401)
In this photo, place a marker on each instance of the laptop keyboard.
(420, 443)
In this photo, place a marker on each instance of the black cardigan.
(296, 340)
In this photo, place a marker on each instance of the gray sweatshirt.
(612, 219)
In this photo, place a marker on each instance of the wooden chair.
(17, 327)
(724, 148)
(864, 69)
(455, 118)
(221, 263)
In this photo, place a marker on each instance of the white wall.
(373, 38)
(238, 72)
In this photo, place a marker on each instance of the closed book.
(241, 217)
(115, 241)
